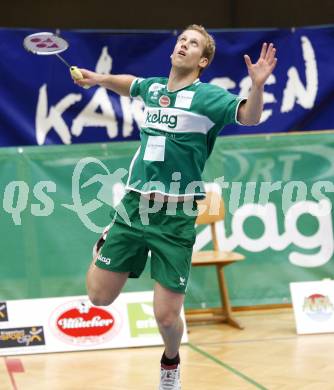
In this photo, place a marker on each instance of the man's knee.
(100, 297)
(99, 300)
(167, 319)
(103, 286)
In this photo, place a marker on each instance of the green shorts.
(170, 238)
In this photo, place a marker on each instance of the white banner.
(313, 305)
(74, 324)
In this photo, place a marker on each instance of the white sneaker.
(170, 379)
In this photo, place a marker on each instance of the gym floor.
(267, 354)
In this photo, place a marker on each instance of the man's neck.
(177, 80)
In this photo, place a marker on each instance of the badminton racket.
(46, 43)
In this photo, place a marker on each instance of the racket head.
(44, 43)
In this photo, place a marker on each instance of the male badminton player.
(182, 119)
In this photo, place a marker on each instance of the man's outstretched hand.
(87, 79)
(262, 69)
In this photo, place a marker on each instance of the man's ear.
(203, 63)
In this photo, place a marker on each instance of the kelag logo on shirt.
(3, 312)
(169, 120)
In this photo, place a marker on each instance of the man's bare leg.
(103, 286)
(167, 309)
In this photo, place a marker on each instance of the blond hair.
(210, 44)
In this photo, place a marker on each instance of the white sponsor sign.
(155, 148)
(184, 99)
(313, 305)
(74, 324)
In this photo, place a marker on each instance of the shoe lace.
(169, 379)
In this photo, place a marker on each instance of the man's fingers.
(85, 72)
(270, 51)
(272, 66)
(263, 50)
(272, 56)
(248, 60)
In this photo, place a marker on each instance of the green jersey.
(177, 135)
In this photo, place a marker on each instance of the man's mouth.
(182, 53)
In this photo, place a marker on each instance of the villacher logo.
(80, 323)
(3, 312)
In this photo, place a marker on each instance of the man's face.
(188, 51)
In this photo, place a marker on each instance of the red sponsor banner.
(96, 322)
(78, 322)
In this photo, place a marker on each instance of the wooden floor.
(267, 354)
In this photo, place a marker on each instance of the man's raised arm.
(249, 113)
(117, 83)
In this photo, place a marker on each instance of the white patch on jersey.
(155, 87)
(155, 148)
(184, 99)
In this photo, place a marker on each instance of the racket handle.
(77, 75)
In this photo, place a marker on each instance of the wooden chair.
(211, 210)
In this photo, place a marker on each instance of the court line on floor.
(226, 366)
(248, 341)
(13, 366)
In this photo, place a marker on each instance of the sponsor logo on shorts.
(105, 260)
(182, 281)
(81, 323)
(3, 312)
(22, 337)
